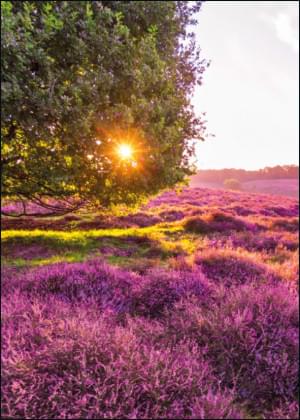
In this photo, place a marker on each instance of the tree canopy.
(81, 78)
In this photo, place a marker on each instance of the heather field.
(185, 309)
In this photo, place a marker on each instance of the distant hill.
(275, 172)
(279, 180)
(287, 187)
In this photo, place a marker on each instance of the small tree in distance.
(232, 184)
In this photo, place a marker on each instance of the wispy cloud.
(285, 23)
(286, 31)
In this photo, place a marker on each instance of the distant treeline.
(276, 172)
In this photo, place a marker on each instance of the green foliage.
(79, 77)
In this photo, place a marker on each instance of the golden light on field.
(125, 151)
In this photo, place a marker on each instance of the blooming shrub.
(267, 241)
(291, 225)
(241, 211)
(217, 222)
(251, 339)
(141, 219)
(283, 211)
(93, 281)
(232, 269)
(197, 225)
(159, 290)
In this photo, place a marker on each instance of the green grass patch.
(81, 236)
(160, 242)
(84, 240)
(35, 262)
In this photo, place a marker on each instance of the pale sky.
(250, 92)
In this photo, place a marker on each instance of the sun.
(125, 151)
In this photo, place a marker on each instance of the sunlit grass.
(83, 238)
(77, 246)
(36, 262)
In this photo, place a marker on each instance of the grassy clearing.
(57, 237)
(138, 244)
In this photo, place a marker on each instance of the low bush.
(160, 289)
(290, 225)
(217, 222)
(231, 269)
(197, 225)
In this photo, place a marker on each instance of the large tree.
(80, 78)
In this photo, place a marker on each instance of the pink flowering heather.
(192, 313)
(251, 338)
(232, 269)
(159, 290)
(217, 222)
